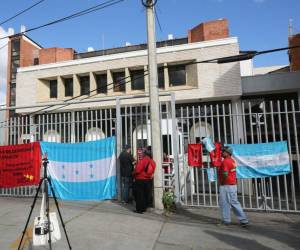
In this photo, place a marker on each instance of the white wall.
(246, 67)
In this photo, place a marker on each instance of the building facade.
(65, 96)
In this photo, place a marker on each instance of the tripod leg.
(47, 214)
(32, 207)
(61, 219)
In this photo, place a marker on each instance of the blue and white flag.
(208, 144)
(261, 160)
(82, 171)
(212, 174)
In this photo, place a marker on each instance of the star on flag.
(28, 177)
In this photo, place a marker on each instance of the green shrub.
(169, 201)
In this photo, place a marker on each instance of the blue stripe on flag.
(261, 172)
(260, 149)
(69, 152)
(261, 160)
(97, 190)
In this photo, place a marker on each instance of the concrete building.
(109, 94)
(61, 78)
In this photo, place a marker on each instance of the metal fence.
(246, 122)
(250, 121)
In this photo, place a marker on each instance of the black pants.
(143, 192)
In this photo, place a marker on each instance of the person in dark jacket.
(126, 165)
(143, 175)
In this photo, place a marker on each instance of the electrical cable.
(215, 60)
(76, 14)
(75, 97)
(157, 19)
(21, 12)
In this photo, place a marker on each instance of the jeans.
(126, 183)
(228, 200)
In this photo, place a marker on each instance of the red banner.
(195, 155)
(20, 165)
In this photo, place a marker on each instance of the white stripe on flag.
(263, 161)
(83, 171)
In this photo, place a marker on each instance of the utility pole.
(154, 103)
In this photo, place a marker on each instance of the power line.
(219, 60)
(21, 12)
(119, 84)
(4, 46)
(157, 19)
(76, 14)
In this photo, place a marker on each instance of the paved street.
(110, 225)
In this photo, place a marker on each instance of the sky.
(258, 24)
(3, 68)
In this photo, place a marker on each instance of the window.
(36, 61)
(119, 81)
(68, 86)
(15, 64)
(15, 47)
(101, 81)
(177, 75)
(84, 85)
(161, 78)
(53, 88)
(137, 80)
(12, 98)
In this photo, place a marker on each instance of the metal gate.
(130, 123)
(252, 121)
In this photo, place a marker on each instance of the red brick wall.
(27, 53)
(294, 53)
(52, 55)
(212, 30)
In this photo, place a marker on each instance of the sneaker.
(224, 223)
(244, 223)
(138, 212)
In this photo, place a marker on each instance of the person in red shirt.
(228, 189)
(143, 175)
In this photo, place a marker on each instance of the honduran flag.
(261, 160)
(82, 171)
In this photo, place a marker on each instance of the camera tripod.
(46, 180)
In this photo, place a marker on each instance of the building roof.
(130, 48)
(26, 38)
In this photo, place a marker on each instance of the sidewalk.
(110, 225)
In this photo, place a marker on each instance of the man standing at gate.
(228, 189)
(126, 164)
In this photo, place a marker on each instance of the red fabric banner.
(20, 165)
(216, 155)
(195, 155)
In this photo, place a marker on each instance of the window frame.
(69, 87)
(84, 88)
(101, 84)
(172, 69)
(53, 88)
(115, 76)
(135, 76)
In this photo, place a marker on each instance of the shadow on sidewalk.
(237, 242)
